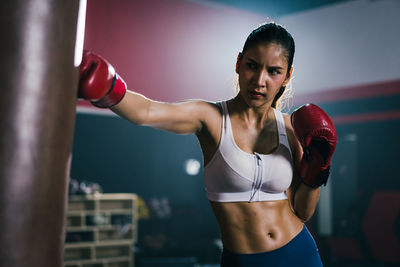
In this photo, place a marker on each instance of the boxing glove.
(317, 135)
(98, 81)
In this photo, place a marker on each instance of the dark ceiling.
(277, 8)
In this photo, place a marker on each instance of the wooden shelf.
(101, 230)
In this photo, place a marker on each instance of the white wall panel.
(347, 44)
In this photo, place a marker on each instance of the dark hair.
(272, 33)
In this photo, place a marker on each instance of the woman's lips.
(255, 94)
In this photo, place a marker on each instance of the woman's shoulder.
(202, 106)
(210, 113)
(288, 125)
(286, 119)
(208, 106)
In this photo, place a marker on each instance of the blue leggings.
(300, 251)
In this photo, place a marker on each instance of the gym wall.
(346, 62)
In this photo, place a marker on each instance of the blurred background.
(347, 61)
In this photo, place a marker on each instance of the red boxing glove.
(98, 81)
(317, 135)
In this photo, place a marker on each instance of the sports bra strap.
(281, 129)
(224, 115)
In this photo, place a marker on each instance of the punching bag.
(37, 113)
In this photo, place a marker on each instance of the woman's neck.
(256, 116)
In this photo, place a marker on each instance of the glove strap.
(323, 176)
(114, 95)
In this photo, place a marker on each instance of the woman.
(251, 154)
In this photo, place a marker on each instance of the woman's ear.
(239, 57)
(288, 77)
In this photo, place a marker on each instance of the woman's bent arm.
(303, 198)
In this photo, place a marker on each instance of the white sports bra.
(233, 175)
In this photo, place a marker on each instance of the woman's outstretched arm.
(100, 84)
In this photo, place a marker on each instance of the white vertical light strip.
(80, 33)
(325, 210)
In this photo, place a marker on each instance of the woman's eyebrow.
(252, 60)
(276, 67)
(269, 67)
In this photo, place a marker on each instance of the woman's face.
(262, 72)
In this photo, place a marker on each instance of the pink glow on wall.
(367, 117)
(170, 50)
(361, 91)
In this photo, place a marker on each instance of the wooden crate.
(101, 230)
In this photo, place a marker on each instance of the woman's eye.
(274, 71)
(251, 65)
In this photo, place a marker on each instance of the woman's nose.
(261, 77)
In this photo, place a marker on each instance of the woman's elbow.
(304, 217)
(304, 214)
(305, 202)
